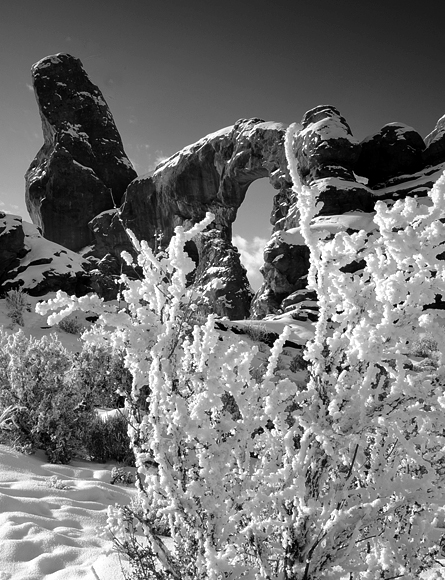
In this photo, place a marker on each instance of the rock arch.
(82, 170)
(213, 175)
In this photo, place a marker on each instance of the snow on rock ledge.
(36, 264)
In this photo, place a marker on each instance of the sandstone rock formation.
(395, 150)
(327, 154)
(30, 262)
(214, 175)
(81, 169)
(394, 163)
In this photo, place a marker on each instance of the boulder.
(81, 169)
(39, 265)
(394, 150)
(327, 154)
(325, 146)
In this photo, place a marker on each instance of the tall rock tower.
(81, 169)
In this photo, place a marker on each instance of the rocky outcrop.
(327, 154)
(219, 280)
(349, 178)
(76, 185)
(30, 262)
(12, 240)
(213, 175)
(81, 169)
(395, 150)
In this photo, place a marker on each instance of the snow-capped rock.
(37, 265)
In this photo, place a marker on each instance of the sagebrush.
(48, 396)
(339, 478)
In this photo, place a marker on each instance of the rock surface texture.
(81, 169)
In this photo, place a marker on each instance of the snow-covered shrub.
(107, 440)
(102, 372)
(56, 483)
(71, 326)
(425, 346)
(17, 303)
(120, 475)
(49, 411)
(256, 331)
(340, 479)
(371, 433)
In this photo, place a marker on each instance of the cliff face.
(81, 168)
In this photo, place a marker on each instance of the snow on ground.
(51, 533)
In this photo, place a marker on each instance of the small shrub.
(119, 475)
(425, 347)
(71, 326)
(257, 332)
(104, 373)
(298, 363)
(44, 409)
(127, 525)
(56, 483)
(107, 440)
(17, 303)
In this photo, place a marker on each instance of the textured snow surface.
(55, 533)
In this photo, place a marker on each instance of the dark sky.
(174, 71)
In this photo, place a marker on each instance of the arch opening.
(252, 229)
(192, 251)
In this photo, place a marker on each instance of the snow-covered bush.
(103, 373)
(46, 410)
(71, 326)
(17, 303)
(121, 476)
(260, 478)
(107, 440)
